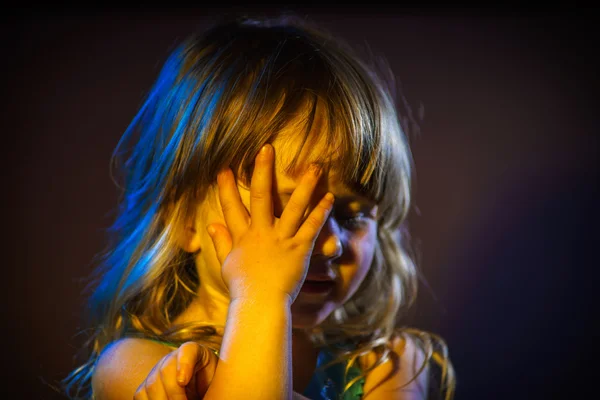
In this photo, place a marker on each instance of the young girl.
(257, 253)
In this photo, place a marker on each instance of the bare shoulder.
(123, 365)
(399, 377)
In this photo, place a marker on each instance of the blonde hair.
(219, 97)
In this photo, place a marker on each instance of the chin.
(305, 322)
(308, 316)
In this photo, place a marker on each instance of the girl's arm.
(129, 367)
(263, 260)
(255, 357)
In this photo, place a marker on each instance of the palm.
(258, 252)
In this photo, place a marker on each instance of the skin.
(343, 250)
(262, 297)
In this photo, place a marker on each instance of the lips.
(320, 286)
(320, 273)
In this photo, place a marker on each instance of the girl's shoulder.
(400, 344)
(407, 366)
(123, 364)
(129, 346)
(132, 345)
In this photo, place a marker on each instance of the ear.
(189, 238)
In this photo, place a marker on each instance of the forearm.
(255, 357)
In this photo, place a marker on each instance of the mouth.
(317, 286)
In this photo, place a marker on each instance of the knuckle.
(226, 206)
(296, 244)
(294, 206)
(314, 221)
(258, 194)
(324, 209)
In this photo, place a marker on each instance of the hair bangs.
(312, 101)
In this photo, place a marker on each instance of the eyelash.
(348, 222)
(353, 222)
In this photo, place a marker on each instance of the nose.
(328, 245)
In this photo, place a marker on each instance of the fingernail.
(329, 197)
(264, 150)
(181, 377)
(316, 169)
(211, 230)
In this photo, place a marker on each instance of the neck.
(210, 307)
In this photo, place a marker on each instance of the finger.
(221, 239)
(294, 211)
(261, 202)
(141, 394)
(188, 355)
(316, 219)
(234, 211)
(204, 372)
(153, 385)
(168, 377)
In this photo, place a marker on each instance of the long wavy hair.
(218, 98)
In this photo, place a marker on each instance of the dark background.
(505, 188)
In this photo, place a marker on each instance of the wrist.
(249, 295)
(261, 299)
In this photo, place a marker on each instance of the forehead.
(290, 144)
(296, 148)
(312, 135)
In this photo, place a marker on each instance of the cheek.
(209, 213)
(362, 249)
(244, 196)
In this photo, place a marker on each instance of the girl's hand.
(260, 254)
(183, 374)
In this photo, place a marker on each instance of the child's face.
(343, 250)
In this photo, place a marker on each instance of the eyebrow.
(344, 197)
(289, 190)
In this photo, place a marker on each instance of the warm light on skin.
(348, 264)
(340, 251)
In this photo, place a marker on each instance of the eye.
(353, 222)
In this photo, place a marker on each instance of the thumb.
(203, 374)
(221, 239)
